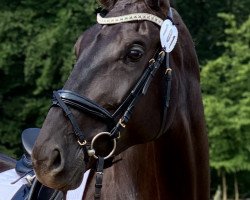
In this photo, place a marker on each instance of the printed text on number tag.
(168, 35)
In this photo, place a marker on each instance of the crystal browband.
(129, 17)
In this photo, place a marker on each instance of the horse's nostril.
(56, 161)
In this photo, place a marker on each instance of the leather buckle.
(168, 70)
(122, 123)
(82, 143)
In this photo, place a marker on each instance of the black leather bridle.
(65, 98)
(118, 120)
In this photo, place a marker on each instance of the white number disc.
(168, 35)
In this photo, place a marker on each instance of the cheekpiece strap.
(139, 90)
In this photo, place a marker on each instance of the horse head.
(111, 60)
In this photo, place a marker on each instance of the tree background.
(36, 56)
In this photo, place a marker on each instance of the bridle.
(63, 98)
(117, 121)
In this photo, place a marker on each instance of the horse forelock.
(128, 7)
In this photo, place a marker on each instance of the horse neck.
(160, 170)
(136, 175)
(172, 168)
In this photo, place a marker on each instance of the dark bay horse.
(151, 161)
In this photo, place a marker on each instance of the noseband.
(118, 120)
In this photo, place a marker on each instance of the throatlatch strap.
(99, 178)
(166, 95)
(167, 84)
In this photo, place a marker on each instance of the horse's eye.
(135, 53)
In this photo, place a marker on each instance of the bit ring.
(95, 138)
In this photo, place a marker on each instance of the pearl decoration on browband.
(129, 17)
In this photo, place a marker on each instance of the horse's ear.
(157, 5)
(108, 4)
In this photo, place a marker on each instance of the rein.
(117, 121)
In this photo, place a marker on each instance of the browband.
(128, 18)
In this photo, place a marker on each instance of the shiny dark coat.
(172, 167)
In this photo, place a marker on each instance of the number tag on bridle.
(168, 35)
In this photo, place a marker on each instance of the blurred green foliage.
(206, 28)
(226, 87)
(226, 95)
(36, 56)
